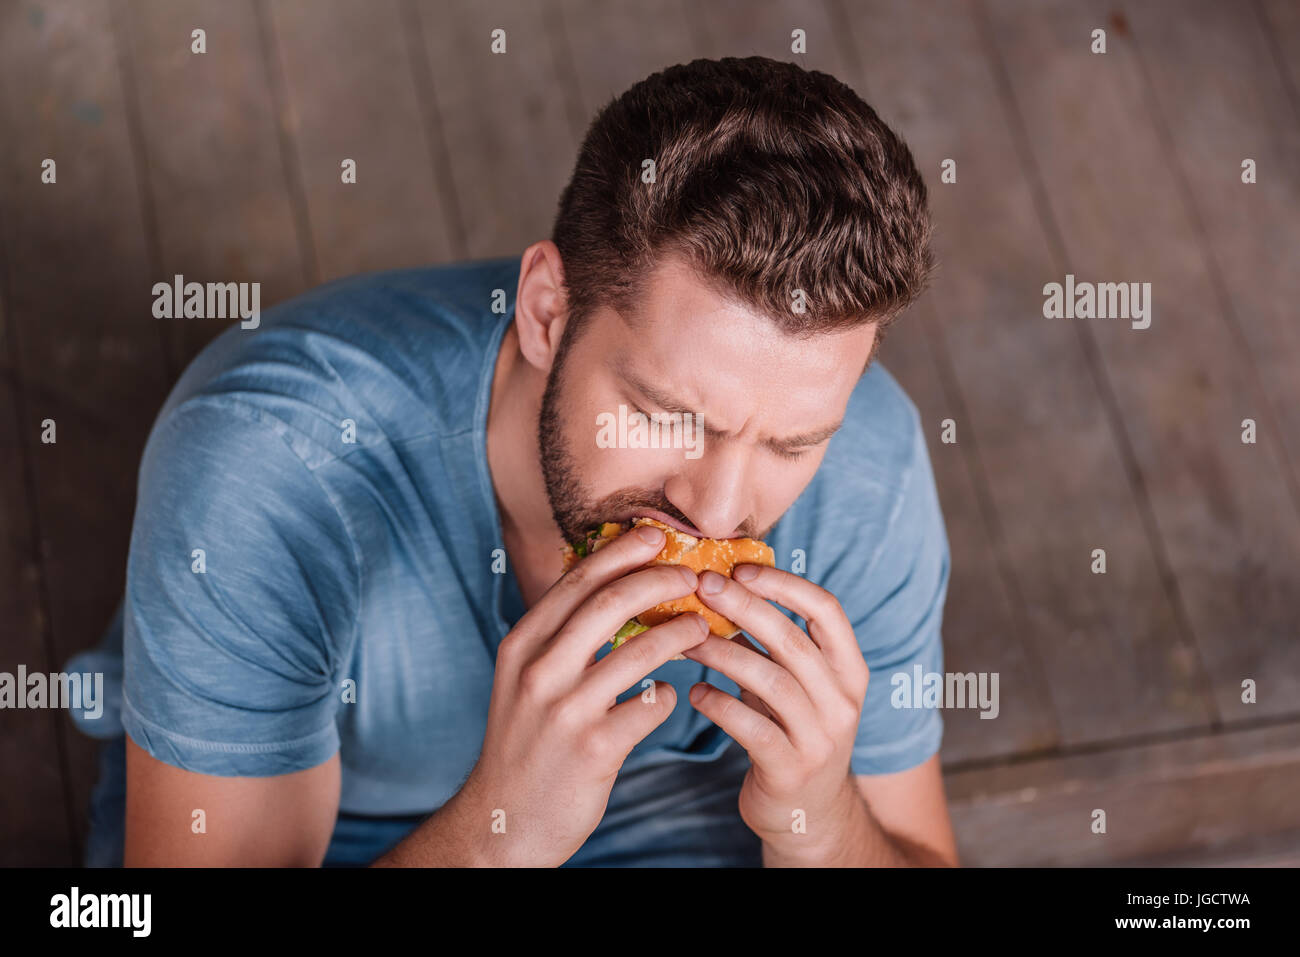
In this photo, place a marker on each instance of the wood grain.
(213, 162)
(351, 94)
(1200, 795)
(1044, 454)
(79, 312)
(1228, 527)
(1220, 99)
(510, 131)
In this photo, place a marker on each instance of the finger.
(827, 624)
(631, 662)
(747, 696)
(781, 691)
(760, 736)
(607, 610)
(786, 643)
(598, 569)
(628, 722)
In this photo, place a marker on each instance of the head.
(735, 240)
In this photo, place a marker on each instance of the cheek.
(779, 484)
(612, 469)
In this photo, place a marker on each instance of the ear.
(541, 305)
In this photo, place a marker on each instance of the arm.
(230, 690)
(280, 821)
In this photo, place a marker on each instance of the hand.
(799, 704)
(556, 737)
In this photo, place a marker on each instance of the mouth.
(660, 516)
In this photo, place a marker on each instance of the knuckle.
(642, 654)
(667, 580)
(822, 597)
(506, 650)
(577, 577)
(511, 649)
(744, 599)
(603, 602)
(596, 744)
(846, 716)
(858, 684)
(821, 749)
(824, 604)
(781, 685)
(799, 646)
(566, 716)
(532, 683)
(686, 627)
(766, 735)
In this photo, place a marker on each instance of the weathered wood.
(1280, 22)
(1228, 526)
(613, 45)
(1044, 455)
(1199, 795)
(511, 139)
(35, 826)
(1221, 99)
(1262, 850)
(741, 28)
(79, 310)
(216, 174)
(351, 95)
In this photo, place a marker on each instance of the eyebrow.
(672, 405)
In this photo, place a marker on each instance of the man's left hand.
(799, 705)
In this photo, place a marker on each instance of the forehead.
(706, 347)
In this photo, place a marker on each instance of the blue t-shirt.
(311, 565)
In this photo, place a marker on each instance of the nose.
(710, 491)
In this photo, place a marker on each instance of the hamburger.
(698, 554)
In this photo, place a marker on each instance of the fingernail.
(688, 576)
(701, 624)
(744, 573)
(650, 535)
(697, 694)
(710, 583)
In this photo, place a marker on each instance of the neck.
(533, 540)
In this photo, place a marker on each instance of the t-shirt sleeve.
(240, 599)
(893, 595)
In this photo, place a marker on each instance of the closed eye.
(792, 454)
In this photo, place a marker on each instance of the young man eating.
(348, 636)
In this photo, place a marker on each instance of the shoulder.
(380, 357)
(881, 435)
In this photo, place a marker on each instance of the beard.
(574, 508)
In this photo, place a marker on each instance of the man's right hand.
(556, 736)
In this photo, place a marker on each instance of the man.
(346, 634)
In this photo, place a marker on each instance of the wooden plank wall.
(1071, 435)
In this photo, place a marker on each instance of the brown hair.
(768, 178)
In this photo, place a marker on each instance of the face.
(763, 405)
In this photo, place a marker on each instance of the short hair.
(768, 178)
